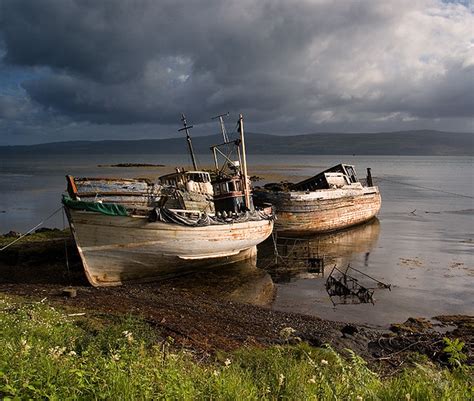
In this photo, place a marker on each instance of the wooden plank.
(323, 210)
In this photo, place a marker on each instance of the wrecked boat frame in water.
(348, 289)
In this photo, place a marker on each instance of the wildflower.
(115, 357)
(227, 362)
(57, 351)
(72, 353)
(216, 373)
(407, 396)
(281, 379)
(359, 398)
(25, 346)
(312, 380)
(128, 335)
(287, 332)
(324, 362)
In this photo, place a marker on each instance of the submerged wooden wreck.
(135, 230)
(331, 200)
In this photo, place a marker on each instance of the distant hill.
(384, 143)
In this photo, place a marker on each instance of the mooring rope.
(32, 229)
(423, 187)
(65, 247)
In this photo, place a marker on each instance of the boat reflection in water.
(239, 282)
(297, 258)
(315, 256)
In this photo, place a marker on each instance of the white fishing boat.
(141, 239)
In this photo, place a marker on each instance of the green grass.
(37, 237)
(47, 354)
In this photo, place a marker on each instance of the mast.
(244, 163)
(188, 138)
(223, 130)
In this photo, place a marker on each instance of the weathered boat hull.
(326, 210)
(119, 249)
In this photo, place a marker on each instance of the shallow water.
(422, 243)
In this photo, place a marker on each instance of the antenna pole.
(244, 163)
(223, 130)
(188, 138)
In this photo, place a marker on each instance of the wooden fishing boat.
(125, 230)
(332, 200)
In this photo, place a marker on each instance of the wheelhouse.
(192, 181)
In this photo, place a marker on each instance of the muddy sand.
(210, 311)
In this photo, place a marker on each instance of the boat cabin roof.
(197, 176)
(337, 176)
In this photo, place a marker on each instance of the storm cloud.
(302, 66)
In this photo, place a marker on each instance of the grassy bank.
(57, 354)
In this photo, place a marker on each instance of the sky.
(98, 70)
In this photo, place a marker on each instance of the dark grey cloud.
(289, 66)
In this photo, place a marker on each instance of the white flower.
(312, 380)
(227, 362)
(115, 357)
(216, 373)
(26, 347)
(287, 332)
(57, 351)
(324, 362)
(359, 398)
(128, 335)
(72, 353)
(281, 379)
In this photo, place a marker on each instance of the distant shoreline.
(131, 165)
(404, 143)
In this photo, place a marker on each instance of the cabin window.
(351, 173)
(199, 177)
(231, 186)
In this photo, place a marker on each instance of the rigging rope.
(428, 188)
(65, 247)
(32, 229)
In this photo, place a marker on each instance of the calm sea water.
(422, 243)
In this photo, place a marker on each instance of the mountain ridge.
(420, 142)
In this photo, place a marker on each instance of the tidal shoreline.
(207, 313)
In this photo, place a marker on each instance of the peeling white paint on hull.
(116, 249)
(323, 210)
